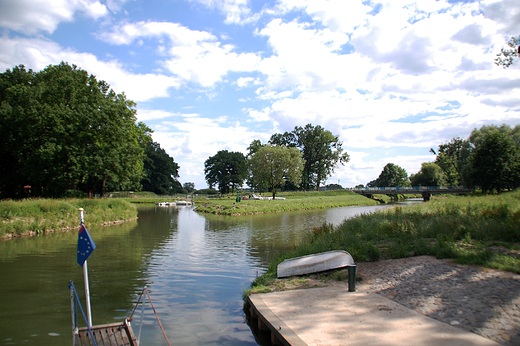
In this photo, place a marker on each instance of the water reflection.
(195, 267)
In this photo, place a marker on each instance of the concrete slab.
(334, 316)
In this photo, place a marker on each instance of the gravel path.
(480, 300)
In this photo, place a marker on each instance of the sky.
(391, 78)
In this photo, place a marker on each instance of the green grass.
(294, 201)
(481, 230)
(36, 216)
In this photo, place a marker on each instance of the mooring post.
(351, 278)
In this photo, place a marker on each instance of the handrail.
(153, 308)
(71, 285)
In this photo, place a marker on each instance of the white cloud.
(32, 16)
(39, 53)
(236, 11)
(194, 56)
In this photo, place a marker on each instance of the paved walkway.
(483, 302)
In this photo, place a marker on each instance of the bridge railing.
(398, 188)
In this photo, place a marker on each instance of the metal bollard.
(351, 278)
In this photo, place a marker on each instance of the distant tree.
(371, 183)
(226, 169)
(507, 56)
(429, 175)
(451, 159)
(189, 187)
(496, 163)
(333, 187)
(210, 191)
(160, 170)
(253, 148)
(392, 175)
(322, 152)
(272, 166)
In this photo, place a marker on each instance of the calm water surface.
(195, 266)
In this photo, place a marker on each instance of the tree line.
(64, 133)
(303, 158)
(489, 159)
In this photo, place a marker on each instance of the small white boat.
(163, 204)
(315, 263)
(183, 203)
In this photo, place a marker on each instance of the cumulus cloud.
(194, 56)
(471, 34)
(31, 16)
(39, 53)
(236, 11)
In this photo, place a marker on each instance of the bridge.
(425, 191)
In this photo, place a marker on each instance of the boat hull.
(315, 263)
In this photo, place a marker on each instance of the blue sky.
(391, 78)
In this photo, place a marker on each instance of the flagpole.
(85, 278)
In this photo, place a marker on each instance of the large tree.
(450, 158)
(160, 170)
(392, 175)
(226, 169)
(496, 163)
(271, 166)
(321, 150)
(429, 175)
(62, 129)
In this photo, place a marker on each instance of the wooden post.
(351, 278)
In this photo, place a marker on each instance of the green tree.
(392, 175)
(450, 158)
(189, 186)
(160, 170)
(271, 166)
(429, 175)
(496, 163)
(508, 55)
(322, 152)
(226, 169)
(61, 129)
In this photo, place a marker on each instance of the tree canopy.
(492, 167)
(160, 171)
(271, 166)
(226, 169)
(507, 56)
(321, 151)
(61, 129)
(496, 163)
(429, 175)
(392, 175)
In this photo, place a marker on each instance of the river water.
(195, 266)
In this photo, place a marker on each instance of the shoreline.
(469, 297)
(28, 234)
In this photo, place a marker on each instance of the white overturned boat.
(315, 263)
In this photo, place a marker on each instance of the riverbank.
(481, 230)
(475, 299)
(41, 216)
(293, 201)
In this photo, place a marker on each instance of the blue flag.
(85, 245)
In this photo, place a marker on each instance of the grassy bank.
(471, 230)
(37, 216)
(294, 201)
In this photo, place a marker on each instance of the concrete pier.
(334, 316)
